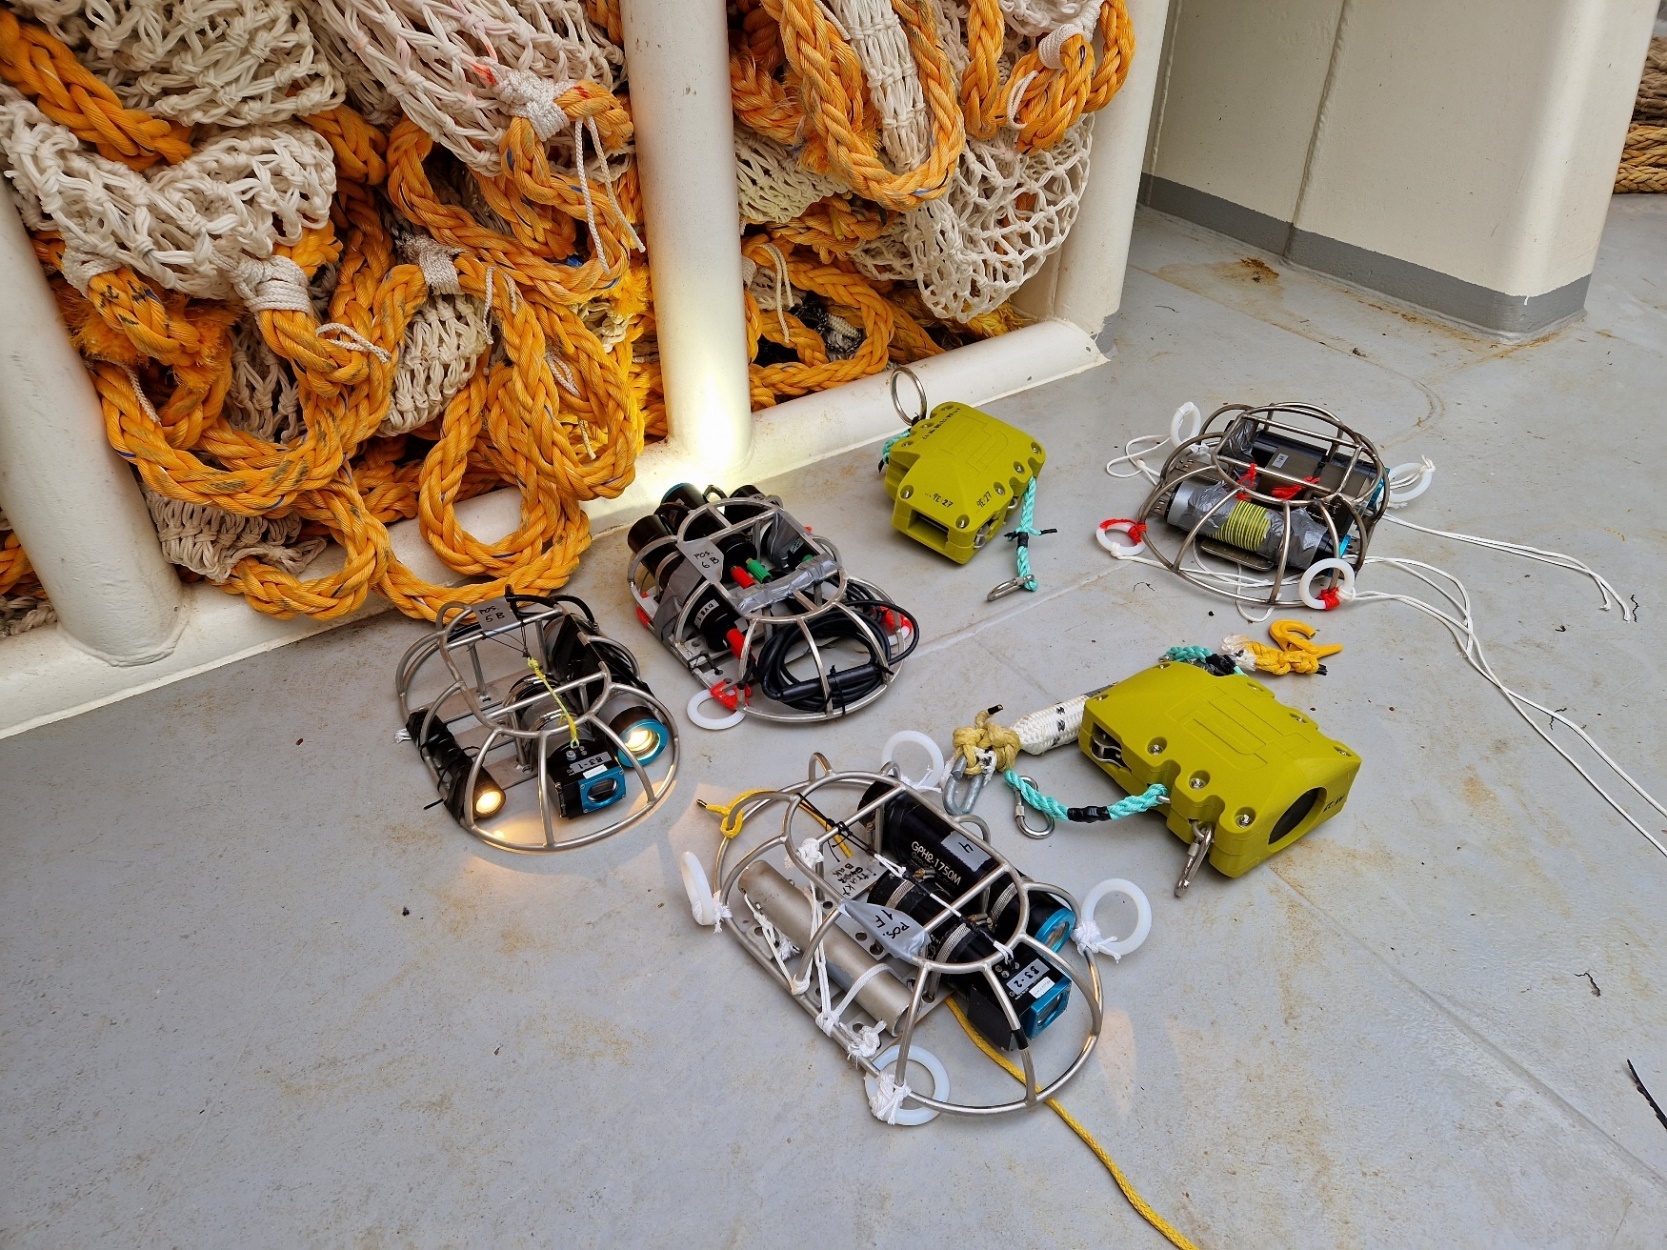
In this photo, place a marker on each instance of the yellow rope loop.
(834, 112)
(985, 735)
(1051, 99)
(840, 284)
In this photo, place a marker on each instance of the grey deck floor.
(220, 1028)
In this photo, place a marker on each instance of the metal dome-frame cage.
(997, 939)
(1284, 491)
(527, 689)
(761, 611)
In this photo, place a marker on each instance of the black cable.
(772, 666)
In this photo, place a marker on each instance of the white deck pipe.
(71, 500)
(677, 56)
(1088, 289)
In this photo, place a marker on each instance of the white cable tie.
(887, 1097)
(810, 852)
(273, 284)
(80, 268)
(435, 259)
(1053, 45)
(351, 340)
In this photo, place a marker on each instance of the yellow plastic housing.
(1229, 753)
(955, 475)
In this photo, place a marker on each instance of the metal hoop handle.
(897, 401)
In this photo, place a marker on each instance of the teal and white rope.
(1022, 534)
(1155, 796)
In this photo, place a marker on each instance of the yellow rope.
(731, 815)
(572, 725)
(1173, 1235)
(985, 735)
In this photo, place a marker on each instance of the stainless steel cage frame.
(1209, 457)
(797, 601)
(922, 973)
(477, 702)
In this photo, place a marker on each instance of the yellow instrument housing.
(956, 474)
(1229, 753)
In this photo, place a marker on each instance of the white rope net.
(213, 62)
(187, 225)
(1005, 213)
(429, 57)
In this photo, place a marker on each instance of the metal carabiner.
(1021, 815)
(1003, 589)
(960, 792)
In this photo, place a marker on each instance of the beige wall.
(1241, 88)
(1476, 139)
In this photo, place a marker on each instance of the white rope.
(188, 225)
(886, 1099)
(274, 284)
(80, 268)
(1038, 17)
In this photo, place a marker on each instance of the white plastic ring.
(704, 721)
(933, 775)
(699, 890)
(1118, 947)
(1188, 412)
(1121, 551)
(911, 1116)
(1305, 588)
(1408, 481)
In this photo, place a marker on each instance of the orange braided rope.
(835, 104)
(1051, 100)
(45, 70)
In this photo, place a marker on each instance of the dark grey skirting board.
(1494, 313)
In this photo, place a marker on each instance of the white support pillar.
(71, 500)
(677, 58)
(1088, 286)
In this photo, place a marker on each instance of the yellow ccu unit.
(1247, 776)
(955, 475)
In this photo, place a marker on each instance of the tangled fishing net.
(338, 263)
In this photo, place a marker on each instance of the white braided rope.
(187, 225)
(773, 187)
(213, 62)
(442, 346)
(364, 93)
(427, 54)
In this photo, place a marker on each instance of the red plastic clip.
(643, 617)
(728, 694)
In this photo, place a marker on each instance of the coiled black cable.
(772, 666)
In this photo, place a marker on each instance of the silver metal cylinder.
(884, 997)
